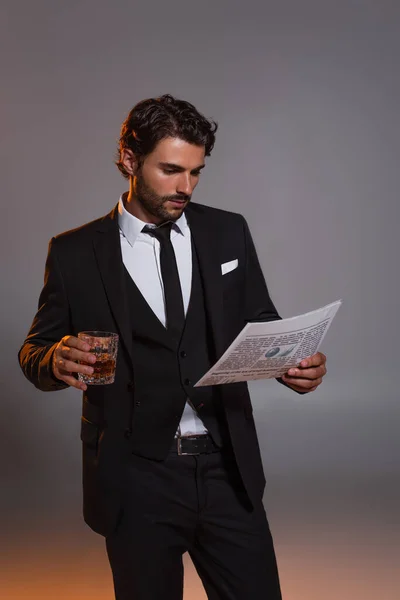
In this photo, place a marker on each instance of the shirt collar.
(131, 226)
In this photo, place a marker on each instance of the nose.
(186, 184)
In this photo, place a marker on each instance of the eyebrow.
(179, 167)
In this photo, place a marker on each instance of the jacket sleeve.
(258, 304)
(51, 323)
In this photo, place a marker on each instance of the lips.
(177, 203)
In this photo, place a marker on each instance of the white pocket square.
(229, 266)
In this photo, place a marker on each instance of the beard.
(156, 205)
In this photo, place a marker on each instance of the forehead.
(177, 151)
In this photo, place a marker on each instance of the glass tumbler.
(104, 345)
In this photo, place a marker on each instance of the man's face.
(164, 183)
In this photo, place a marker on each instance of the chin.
(175, 213)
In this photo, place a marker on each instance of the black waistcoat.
(165, 372)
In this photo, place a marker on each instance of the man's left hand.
(307, 376)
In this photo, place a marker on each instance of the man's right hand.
(65, 359)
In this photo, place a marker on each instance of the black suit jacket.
(84, 290)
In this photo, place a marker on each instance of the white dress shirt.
(141, 257)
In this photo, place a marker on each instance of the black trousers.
(195, 504)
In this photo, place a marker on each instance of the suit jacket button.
(187, 382)
(137, 402)
(127, 433)
(183, 354)
(130, 386)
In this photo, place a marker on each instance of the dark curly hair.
(154, 119)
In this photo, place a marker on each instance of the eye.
(196, 173)
(169, 171)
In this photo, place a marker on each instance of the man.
(167, 467)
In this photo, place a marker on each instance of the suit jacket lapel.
(205, 239)
(107, 249)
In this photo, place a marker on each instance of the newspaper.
(268, 350)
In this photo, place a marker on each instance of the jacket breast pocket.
(232, 283)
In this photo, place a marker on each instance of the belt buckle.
(179, 445)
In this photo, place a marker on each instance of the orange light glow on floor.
(345, 564)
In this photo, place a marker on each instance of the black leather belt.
(195, 444)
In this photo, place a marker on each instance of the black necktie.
(174, 309)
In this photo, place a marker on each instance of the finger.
(67, 377)
(304, 384)
(313, 361)
(77, 355)
(74, 342)
(72, 367)
(306, 373)
(73, 382)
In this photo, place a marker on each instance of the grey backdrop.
(307, 97)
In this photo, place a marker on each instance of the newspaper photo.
(267, 350)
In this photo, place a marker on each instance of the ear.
(129, 161)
